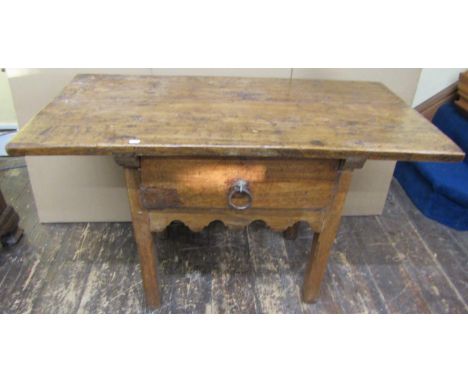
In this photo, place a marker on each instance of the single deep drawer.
(237, 183)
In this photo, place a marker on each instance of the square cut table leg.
(144, 240)
(323, 241)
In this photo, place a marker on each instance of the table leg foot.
(315, 270)
(148, 262)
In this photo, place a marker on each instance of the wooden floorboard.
(448, 253)
(400, 262)
(233, 282)
(417, 259)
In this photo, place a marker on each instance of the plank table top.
(216, 116)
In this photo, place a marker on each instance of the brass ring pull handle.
(239, 196)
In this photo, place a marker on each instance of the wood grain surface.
(205, 183)
(204, 116)
(323, 241)
(144, 240)
(199, 219)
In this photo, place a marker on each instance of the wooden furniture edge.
(144, 240)
(247, 152)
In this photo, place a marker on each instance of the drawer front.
(237, 183)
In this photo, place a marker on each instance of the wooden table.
(198, 149)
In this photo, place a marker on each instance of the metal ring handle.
(240, 187)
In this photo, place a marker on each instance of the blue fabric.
(431, 203)
(449, 179)
(440, 190)
(449, 120)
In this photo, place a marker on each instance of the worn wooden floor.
(400, 262)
